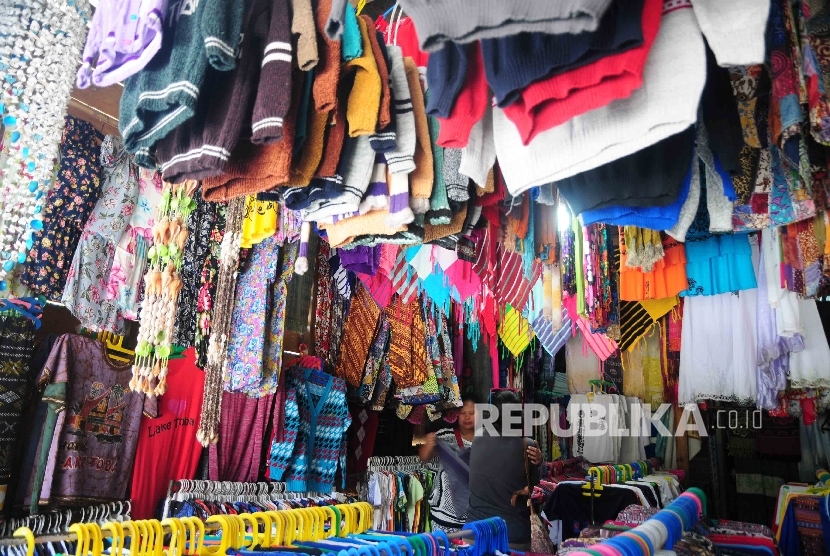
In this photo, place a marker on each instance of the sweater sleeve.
(479, 154)
(734, 30)
(470, 105)
(337, 16)
(282, 451)
(401, 160)
(274, 90)
(221, 24)
(303, 26)
(446, 72)
(92, 47)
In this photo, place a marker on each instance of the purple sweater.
(124, 36)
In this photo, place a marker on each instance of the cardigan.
(164, 94)
(439, 21)
(121, 49)
(314, 432)
(663, 106)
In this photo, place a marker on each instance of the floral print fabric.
(247, 339)
(86, 293)
(67, 207)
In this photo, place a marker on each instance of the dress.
(719, 356)
(67, 207)
(441, 506)
(130, 259)
(85, 294)
(250, 311)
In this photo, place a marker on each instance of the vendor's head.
(501, 401)
(467, 416)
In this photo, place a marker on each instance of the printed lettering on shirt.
(154, 430)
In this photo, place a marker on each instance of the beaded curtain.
(37, 38)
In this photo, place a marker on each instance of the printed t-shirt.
(94, 444)
(167, 445)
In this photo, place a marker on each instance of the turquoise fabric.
(719, 264)
(351, 42)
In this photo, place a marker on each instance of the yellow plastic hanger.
(290, 532)
(131, 533)
(81, 547)
(196, 543)
(331, 517)
(117, 535)
(248, 519)
(279, 523)
(176, 535)
(266, 538)
(27, 534)
(367, 515)
(96, 538)
(595, 474)
(144, 537)
(158, 537)
(224, 538)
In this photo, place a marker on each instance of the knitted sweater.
(439, 21)
(316, 420)
(666, 104)
(201, 149)
(164, 94)
(509, 68)
(364, 98)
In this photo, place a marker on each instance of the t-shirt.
(167, 445)
(497, 470)
(568, 504)
(94, 445)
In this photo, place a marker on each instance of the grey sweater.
(463, 21)
(497, 470)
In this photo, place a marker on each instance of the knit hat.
(304, 168)
(552, 101)
(386, 140)
(401, 159)
(364, 98)
(327, 71)
(470, 106)
(439, 21)
(303, 28)
(384, 112)
(358, 332)
(479, 154)
(274, 91)
(457, 184)
(662, 107)
(446, 72)
(421, 179)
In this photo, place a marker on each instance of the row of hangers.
(315, 527)
(58, 521)
(398, 463)
(228, 491)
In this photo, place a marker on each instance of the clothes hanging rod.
(90, 107)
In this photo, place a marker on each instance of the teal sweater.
(164, 94)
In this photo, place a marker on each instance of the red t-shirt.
(167, 445)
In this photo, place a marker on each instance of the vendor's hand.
(430, 441)
(534, 454)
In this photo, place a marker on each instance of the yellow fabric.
(652, 373)
(656, 308)
(364, 100)
(260, 221)
(515, 331)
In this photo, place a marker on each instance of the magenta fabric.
(238, 454)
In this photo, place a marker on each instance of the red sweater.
(470, 105)
(551, 102)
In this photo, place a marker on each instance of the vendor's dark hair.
(499, 399)
(469, 397)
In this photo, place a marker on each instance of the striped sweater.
(314, 433)
(164, 94)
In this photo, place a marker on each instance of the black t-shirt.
(568, 504)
